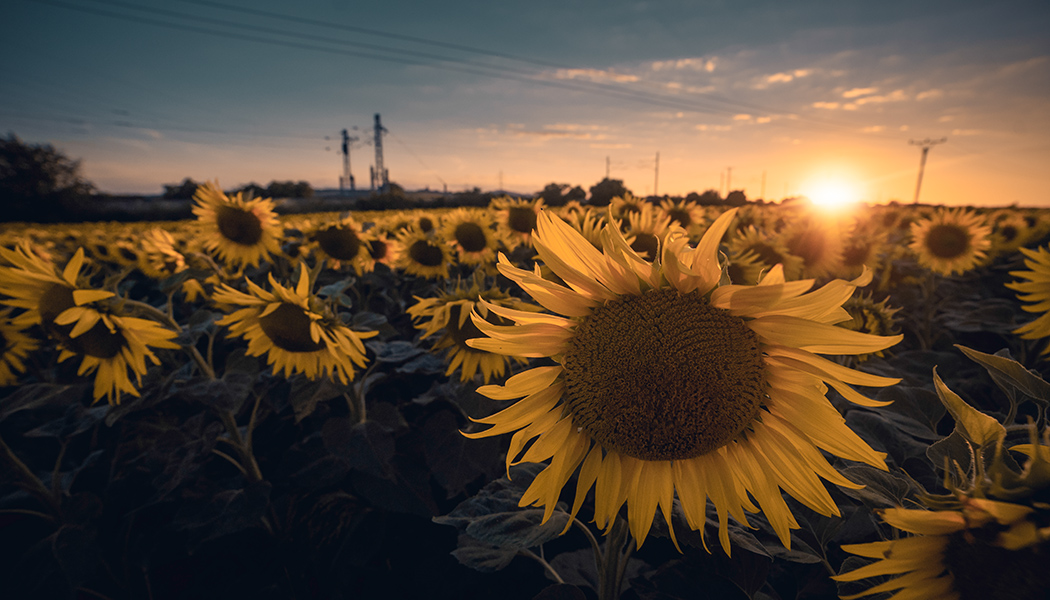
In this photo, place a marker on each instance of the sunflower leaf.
(975, 426)
(881, 489)
(1010, 375)
(483, 557)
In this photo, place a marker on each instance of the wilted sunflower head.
(952, 240)
(241, 231)
(669, 382)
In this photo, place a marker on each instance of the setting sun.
(833, 194)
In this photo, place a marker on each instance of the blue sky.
(792, 94)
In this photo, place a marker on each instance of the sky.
(773, 98)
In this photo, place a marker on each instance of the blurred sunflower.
(768, 250)
(240, 231)
(470, 233)
(381, 250)
(590, 225)
(818, 242)
(15, 347)
(622, 206)
(864, 247)
(515, 219)
(872, 317)
(644, 229)
(687, 214)
(449, 316)
(158, 258)
(1010, 231)
(1036, 289)
(421, 255)
(80, 320)
(293, 328)
(667, 382)
(340, 243)
(950, 240)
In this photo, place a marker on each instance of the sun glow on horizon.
(833, 194)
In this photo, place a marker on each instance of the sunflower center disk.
(663, 376)
(521, 219)
(426, 253)
(239, 226)
(471, 237)
(98, 341)
(288, 328)
(377, 249)
(947, 241)
(340, 243)
(646, 245)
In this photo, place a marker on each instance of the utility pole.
(926, 145)
(656, 176)
(606, 167)
(380, 177)
(348, 176)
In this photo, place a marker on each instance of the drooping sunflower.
(422, 255)
(15, 348)
(515, 219)
(293, 328)
(669, 383)
(85, 322)
(1036, 289)
(470, 233)
(869, 316)
(240, 231)
(158, 258)
(339, 242)
(952, 240)
(448, 315)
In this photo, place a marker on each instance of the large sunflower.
(668, 383)
(950, 241)
(1036, 289)
(85, 322)
(449, 315)
(241, 231)
(15, 347)
(294, 329)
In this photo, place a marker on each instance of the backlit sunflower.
(515, 219)
(644, 229)
(590, 225)
(470, 233)
(1036, 289)
(950, 241)
(85, 322)
(15, 348)
(768, 251)
(294, 329)
(340, 243)
(686, 214)
(869, 316)
(422, 255)
(622, 206)
(448, 315)
(158, 258)
(240, 231)
(669, 383)
(818, 242)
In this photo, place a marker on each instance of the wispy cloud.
(595, 75)
(873, 129)
(853, 93)
(686, 64)
(765, 81)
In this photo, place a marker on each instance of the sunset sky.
(798, 94)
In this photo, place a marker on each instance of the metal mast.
(926, 145)
(380, 178)
(348, 176)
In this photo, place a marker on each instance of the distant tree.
(253, 190)
(709, 198)
(39, 183)
(605, 190)
(736, 198)
(181, 191)
(289, 189)
(577, 193)
(552, 194)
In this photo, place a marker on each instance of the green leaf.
(483, 557)
(518, 529)
(975, 426)
(881, 489)
(1008, 372)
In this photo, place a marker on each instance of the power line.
(469, 68)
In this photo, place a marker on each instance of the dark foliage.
(39, 183)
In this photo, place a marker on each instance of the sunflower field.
(650, 400)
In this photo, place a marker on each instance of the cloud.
(946, 118)
(826, 105)
(965, 132)
(682, 64)
(572, 127)
(783, 77)
(763, 120)
(742, 117)
(703, 127)
(930, 94)
(873, 129)
(594, 75)
(566, 131)
(894, 96)
(859, 92)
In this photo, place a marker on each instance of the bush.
(39, 183)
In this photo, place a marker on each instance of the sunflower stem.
(610, 575)
(58, 468)
(546, 565)
(595, 547)
(248, 463)
(30, 482)
(205, 366)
